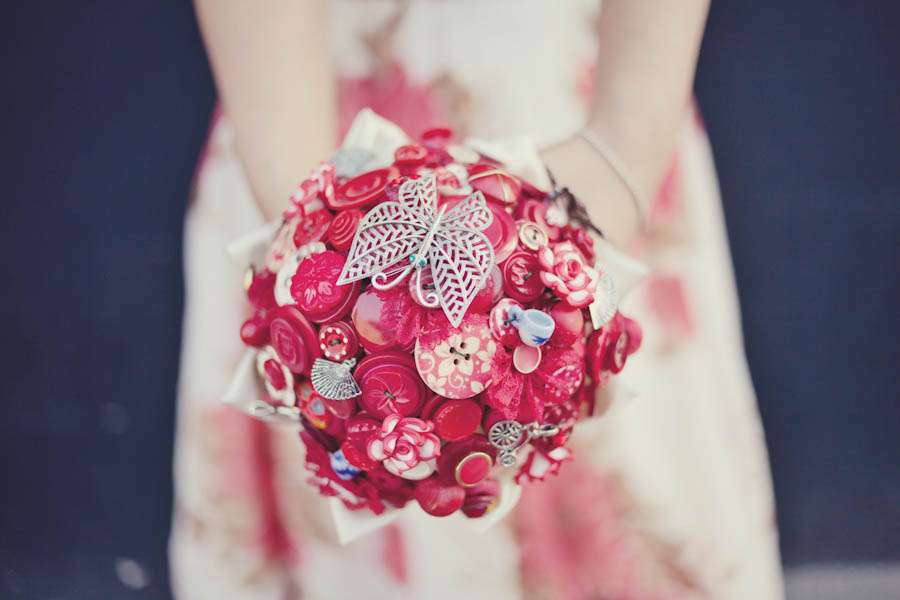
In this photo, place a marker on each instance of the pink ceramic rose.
(406, 446)
(565, 271)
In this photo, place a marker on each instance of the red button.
(293, 339)
(502, 233)
(338, 341)
(342, 229)
(473, 468)
(311, 228)
(342, 409)
(363, 190)
(410, 156)
(360, 430)
(315, 289)
(521, 277)
(437, 498)
(501, 324)
(496, 184)
(373, 334)
(390, 385)
(456, 419)
(466, 462)
(255, 331)
(569, 324)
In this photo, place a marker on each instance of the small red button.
(410, 156)
(521, 277)
(456, 419)
(501, 323)
(466, 462)
(342, 229)
(366, 316)
(338, 341)
(311, 228)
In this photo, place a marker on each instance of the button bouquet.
(436, 317)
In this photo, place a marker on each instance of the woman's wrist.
(576, 165)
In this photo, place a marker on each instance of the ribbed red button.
(293, 339)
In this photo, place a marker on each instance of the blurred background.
(107, 109)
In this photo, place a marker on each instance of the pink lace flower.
(406, 446)
(564, 270)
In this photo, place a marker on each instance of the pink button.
(315, 289)
(456, 362)
(437, 498)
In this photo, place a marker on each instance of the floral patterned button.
(315, 289)
(455, 362)
(389, 385)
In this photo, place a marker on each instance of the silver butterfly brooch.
(398, 238)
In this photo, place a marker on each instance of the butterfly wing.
(461, 260)
(470, 213)
(419, 197)
(388, 234)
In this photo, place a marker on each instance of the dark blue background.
(107, 105)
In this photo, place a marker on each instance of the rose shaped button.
(315, 289)
(455, 362)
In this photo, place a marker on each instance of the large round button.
(363, 190)
(373, 334)
(455, 362)
(456, 419)
(294, 339)
(315, 289)
(389, 385)
(501, 323)
(496, 184)
(338, 341)
(521, 277)
(342, 229)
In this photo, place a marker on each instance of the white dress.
(670, 496)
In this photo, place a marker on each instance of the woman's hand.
(577, 166)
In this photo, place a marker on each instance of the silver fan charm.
(396, 238)
(333, 381)
(508, 436)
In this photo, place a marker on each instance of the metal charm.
(396, 238)
(606, 302)
(333, 381)
(508, 436)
